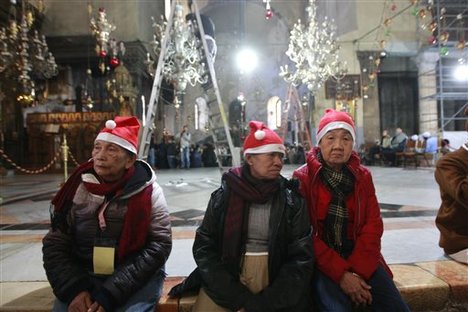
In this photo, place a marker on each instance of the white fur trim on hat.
(267, 148)
(109, 137)
(336, 125)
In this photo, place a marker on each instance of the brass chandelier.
(24, 54)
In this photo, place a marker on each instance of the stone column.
(370, 101)
(427, 80)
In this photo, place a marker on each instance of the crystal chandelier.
(183, 62)
(24, 54)
(314, 51)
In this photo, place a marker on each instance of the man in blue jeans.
(185, 140)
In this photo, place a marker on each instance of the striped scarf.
(340, 184)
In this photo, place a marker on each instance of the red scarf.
(138, 214)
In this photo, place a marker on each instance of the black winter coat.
(291, 257)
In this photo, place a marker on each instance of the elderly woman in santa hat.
(110, 234)
(346, 222)
(253, 249)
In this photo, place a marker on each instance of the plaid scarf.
(340, 184)
(244, 189)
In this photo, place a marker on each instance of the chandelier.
(314, 51)
(183, 63)
(110, 51)
(24, 54)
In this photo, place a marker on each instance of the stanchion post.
(65, 157)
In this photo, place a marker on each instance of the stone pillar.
(427, 80)
(370, 100)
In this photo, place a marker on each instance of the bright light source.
(246, 60)
(461, 73)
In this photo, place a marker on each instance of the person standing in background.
(171, 152)
(185, 141)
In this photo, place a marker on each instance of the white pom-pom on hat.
(260, 135)
(110, 124)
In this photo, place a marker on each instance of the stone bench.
(426, 286)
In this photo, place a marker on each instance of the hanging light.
(24, 54)
(108, 49)
(314, 50)
(183, 62)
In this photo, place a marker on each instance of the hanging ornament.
(383, 43)
(102, 67)
(114, 62)
(442, 13)
(415, 11)
(444, 51)
(414, 2)
(432, 40)
(460, 45)
(393, 7)
(422, 14)
(388, 22)
(377, 62)
(433, 26)
(268, 12)
(443, 37)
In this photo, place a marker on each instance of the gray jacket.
(68, 255)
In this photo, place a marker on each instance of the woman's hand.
(95, 307)
(83, 303)
(356, 288)
(80, 303)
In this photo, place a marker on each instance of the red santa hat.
(335, 120)
(122, 131)
(262, 140)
